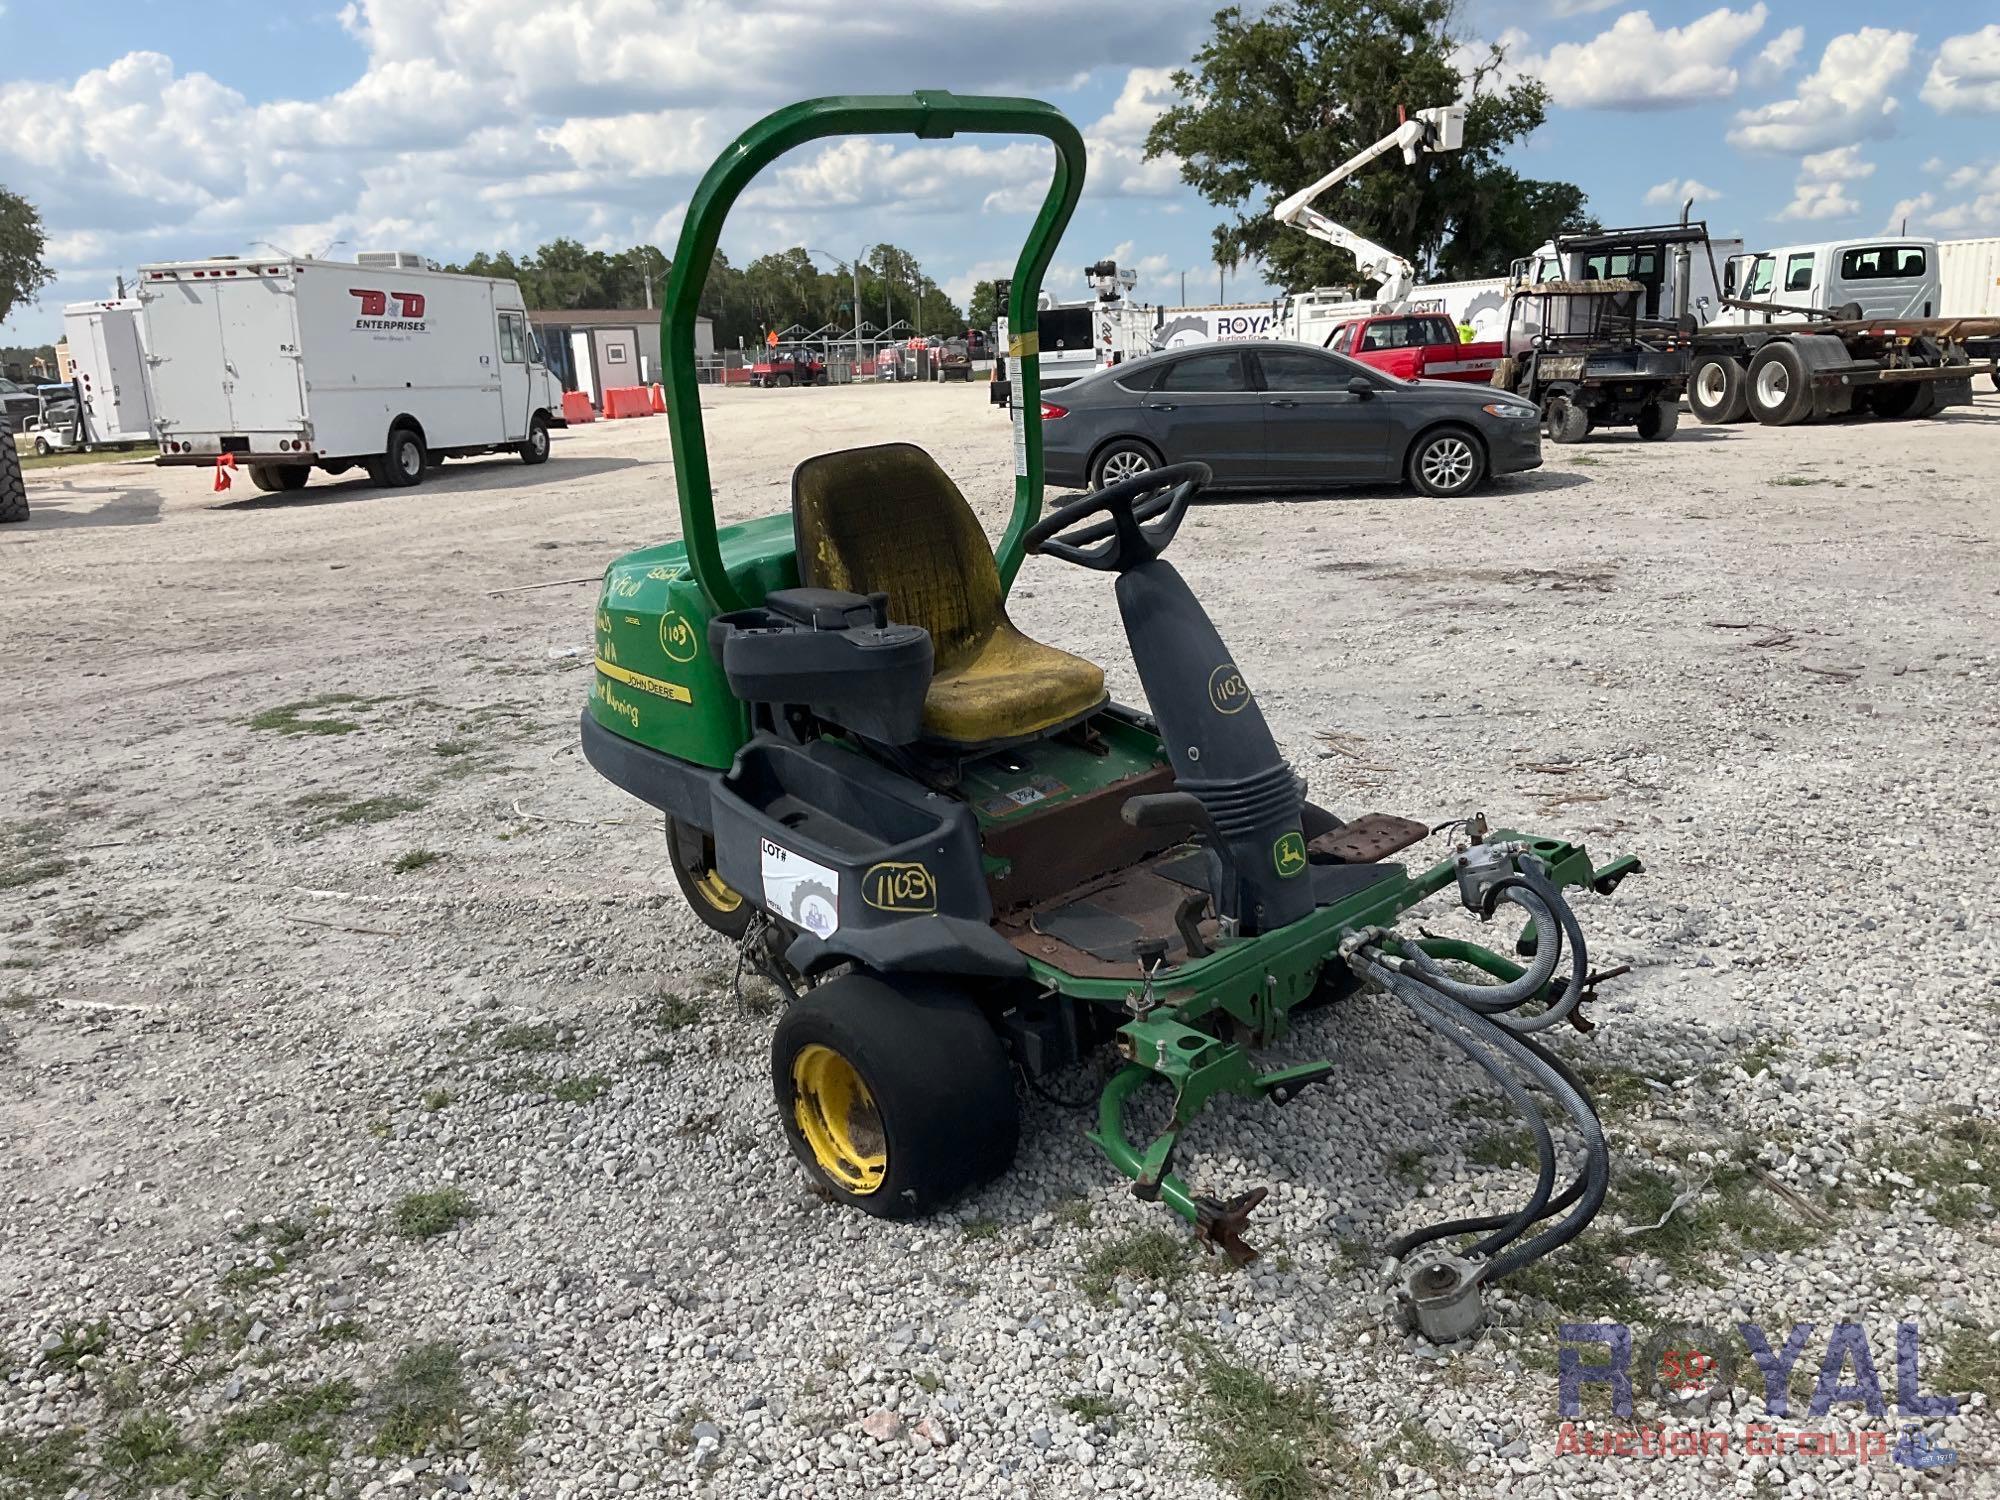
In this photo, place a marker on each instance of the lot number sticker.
(805, 893)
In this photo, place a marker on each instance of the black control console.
(833, 653)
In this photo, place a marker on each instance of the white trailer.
(107, 345)
(381, 363)
(1969, 287)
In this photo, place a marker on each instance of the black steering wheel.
(1120, 541)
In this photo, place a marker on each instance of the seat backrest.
(888, 520)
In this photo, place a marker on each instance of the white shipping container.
(291, 365)
(1969, 278)
(107, 347)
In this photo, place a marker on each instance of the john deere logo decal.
(677, 637)
(894, 886)
(1227, 690)
(1289, 854)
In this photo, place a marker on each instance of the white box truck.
(379, 363)
(107, 347)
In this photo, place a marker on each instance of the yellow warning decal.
(644, 683)
(1021, 345)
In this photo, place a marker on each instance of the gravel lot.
(310, 906)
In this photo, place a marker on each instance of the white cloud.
(1905, 210)
(1676, 191)
(1824, 177)
(1147, 92)
(1637, 65)
(1577, 7)
(1846, 96)
(1778, 55)
(1965, 78)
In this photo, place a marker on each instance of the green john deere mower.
(962, 860)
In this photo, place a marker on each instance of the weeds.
(1074, 1212)
(146, 1450)
(1953, 1162)
(541, 1037)
(242, 1278)
(376, 810)
(414, 859)
(668, 1012)
(1150, 1255)
(1416, 1445)
(981, 1229)
(585, 1090)
(290, 718)
(45, 1468)
(1971, 1362)
(423, 1404)
(1408, 1165)
(78, 1343)
(1266, 1441)
(436, 1099)
(1503, 1148)
(1088, 1407)
(424, 1216)
(450, 749)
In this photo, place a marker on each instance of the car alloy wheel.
(1125, 465)
(1448, 463)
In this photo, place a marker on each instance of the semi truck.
(285, 365)
(1807, 332)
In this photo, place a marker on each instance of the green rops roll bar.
(928, 115)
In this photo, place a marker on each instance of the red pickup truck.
(1416, 346)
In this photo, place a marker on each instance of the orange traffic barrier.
(628, 401)
(576, 408)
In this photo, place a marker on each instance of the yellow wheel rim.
(716, 894)
(837, 1116)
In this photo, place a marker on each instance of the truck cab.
(1883, 278)
(1415, 346)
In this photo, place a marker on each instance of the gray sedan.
(1283, 415)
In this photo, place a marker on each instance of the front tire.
(1567, 421)
(718, 908)
(1659, 420)
(1121, 460)
(894, 1095)
(1447, 463)
(403, 464)
(1715, 389)
(536, 449)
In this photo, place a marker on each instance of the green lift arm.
(928, 115)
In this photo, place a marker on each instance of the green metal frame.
(928, 115)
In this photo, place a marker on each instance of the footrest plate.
(1368, 838)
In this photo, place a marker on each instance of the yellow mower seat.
(888, 520)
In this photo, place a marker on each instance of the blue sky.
(158, 128)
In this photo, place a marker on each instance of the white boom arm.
(1439, 129)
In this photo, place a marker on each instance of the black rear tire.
(13, 485)
(1715, 389)
(1780, 390)
(536, 449)
(692, 854)
(1659, 420)
(935, 1099)
(404, 461)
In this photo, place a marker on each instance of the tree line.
(795, 288)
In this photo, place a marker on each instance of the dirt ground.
(237, 1037)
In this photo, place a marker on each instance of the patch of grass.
(423, 1404)
(33, 872)
(346, 1331)
(1954, 1162)
(500, 1440)
(1149, 1255)
(1503, 1148)
(44, 1468)
(147, 1450)
(1088, 1406)
(292, 718)
(1615, 1088)
(242, 1278)
(982, 1229)
(1408, 1166)
(1415, 1444)
(1969, 1362)
(1480, 1107)
(1074, 1212)
(414, 859)
(669, 1012)
(1584, 461)
(283, 1233)
(1827, 1059)
(928, 1381)
(1266, 1441)
(586, 1090)
(543, 1037)
(1756, 1060)
(376, 809)
(78, 1343)
(436, 1099)
(423, 1216)
(1581, 1279)
(1797, 481)
(450, 749)
(300, 1421)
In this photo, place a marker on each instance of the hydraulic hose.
(1555, 1080)
(1433, 1013)
(1553, 921)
